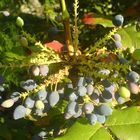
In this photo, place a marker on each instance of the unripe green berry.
(124, 92)
(23, 42)
(39, 104)
(19, 21)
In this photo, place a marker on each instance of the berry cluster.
(117, 21)
(91, 99)
(41, 70)
(117, 40)
(96, 103)
(86, 99)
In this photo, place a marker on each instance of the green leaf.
(14, 56)
(125, 124)
(58, 109)
(20, 134)
(101, 134)
(136, 54)
(94, 18)
(5, 133)
(104, 22)
(81, 130)
(130, 37)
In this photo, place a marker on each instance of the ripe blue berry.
(118, 44)
(118, 20)
(117, 37)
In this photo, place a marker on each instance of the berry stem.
(101, 41)
(56, 86)
(75, 27)
(67, 30)
(112, 39)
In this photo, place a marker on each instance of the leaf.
(55, 45)
(20, 134)
(81, 130)
(125, 124)
(14, 56)
(130, 37)
(132, 10)
(93, 19)
(136, 54)
(100, 134)
(5, 133)
(58, 109)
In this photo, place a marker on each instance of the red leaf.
(110, 58)
(133, 10)
(88, 19)
(55, 45)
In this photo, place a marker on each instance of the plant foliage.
(61, 68)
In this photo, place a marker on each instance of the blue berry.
(19, 112)
(117, 37)
(53, 98)
(118, 20)
(133, 76)
(88, 107)
(92, 118)
(118, 44)
(100, 118)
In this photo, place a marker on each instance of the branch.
(68, 38)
